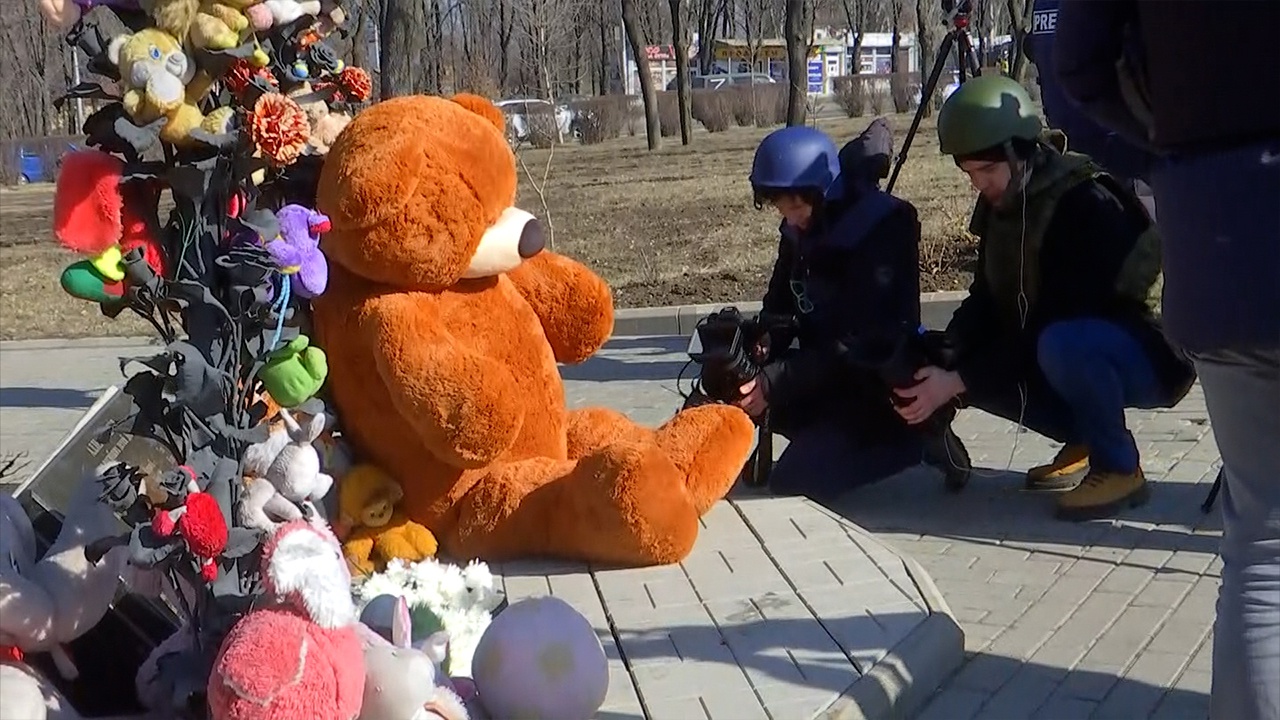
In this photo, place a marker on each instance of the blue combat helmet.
(796, 158)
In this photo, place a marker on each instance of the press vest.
(1010, 245)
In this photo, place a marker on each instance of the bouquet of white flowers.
(441, 596)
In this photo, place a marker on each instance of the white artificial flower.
(462, 598)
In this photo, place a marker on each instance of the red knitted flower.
(279, 128)
(356, 83)
(203, 526)
(241, 73)
(238, 76)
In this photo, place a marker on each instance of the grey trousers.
(1242, 391)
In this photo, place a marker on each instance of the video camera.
(731, 349)
(896, 359)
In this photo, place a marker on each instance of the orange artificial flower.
(279, 128)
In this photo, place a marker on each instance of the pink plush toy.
(300, 659)
(65, 13)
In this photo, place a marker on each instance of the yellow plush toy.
(157, 79)
(372, 531)
(218, 26)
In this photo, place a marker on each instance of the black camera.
(731, 348)
(896, 358)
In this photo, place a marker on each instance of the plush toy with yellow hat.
(373, 532)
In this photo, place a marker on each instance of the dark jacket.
(1215, 135)
(1084, 134)
(857, 272)
(1084, 249)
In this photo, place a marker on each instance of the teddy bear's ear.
(117, 44)
(483, 108)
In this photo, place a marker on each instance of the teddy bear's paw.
(709, 444)
(626, 504)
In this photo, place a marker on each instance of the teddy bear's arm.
(456, 400)
(573, 303)
(406, 540)
(357, 550)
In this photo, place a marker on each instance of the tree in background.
(680, 43)
(799, 36)
(635, 38)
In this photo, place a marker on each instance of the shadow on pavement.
(38, 397)
(636, 358)
(994, 507)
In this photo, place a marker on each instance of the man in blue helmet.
(848, 273)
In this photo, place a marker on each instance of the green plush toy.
(294, 373)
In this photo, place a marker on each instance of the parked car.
(32, 167)
(517, 111)
(715, 81)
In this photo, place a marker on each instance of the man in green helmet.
(1059, 332)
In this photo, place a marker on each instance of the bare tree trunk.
(683, 91)
(1019, 22)
(437, 43)
(895, 30)
(603, 68)
(926, 24)
(400, 55)
(855, 15)
(797, 62)
(652, 129)
(505, 30)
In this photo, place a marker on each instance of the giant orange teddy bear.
(443, 322)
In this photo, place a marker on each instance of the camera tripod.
(957, 38)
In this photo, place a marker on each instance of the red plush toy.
(301, 659)
(200, 523)
(97, 215)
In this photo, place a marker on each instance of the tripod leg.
(926, 94)
(966, 58)
(1213, 491)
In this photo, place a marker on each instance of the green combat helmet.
(986, 112)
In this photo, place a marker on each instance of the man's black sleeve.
(1088, 47)
(982, 356)
(880, 294)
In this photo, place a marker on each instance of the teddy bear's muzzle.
(532, 239)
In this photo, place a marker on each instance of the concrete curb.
(88, 343)
(907, 676)
(901, 683)
(935, 308)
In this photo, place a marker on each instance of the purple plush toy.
(297, 250)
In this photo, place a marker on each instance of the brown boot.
(1103, 494)
(1063, 473)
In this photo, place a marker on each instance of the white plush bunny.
(403, 682)
(282, 473)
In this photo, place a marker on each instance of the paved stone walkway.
(1108, 619)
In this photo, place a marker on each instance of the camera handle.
(966, 60)
(763, 464)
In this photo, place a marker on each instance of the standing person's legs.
(1242, 392)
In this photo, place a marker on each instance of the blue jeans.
(1088, 371)
(1242, 391)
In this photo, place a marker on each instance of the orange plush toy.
(444, 320)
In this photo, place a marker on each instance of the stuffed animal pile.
(360, 338)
